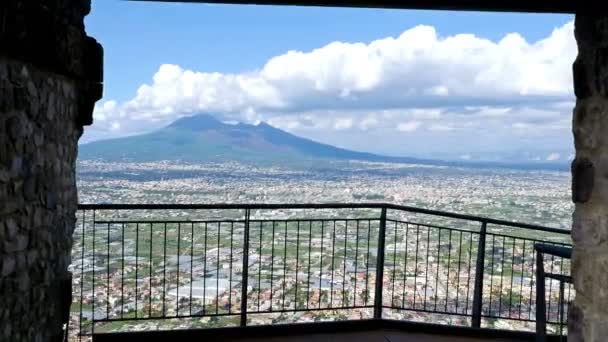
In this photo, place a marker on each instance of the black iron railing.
(187, 266)
(542, 250)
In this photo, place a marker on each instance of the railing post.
(541, 315)
(479, 271)
(380, 266)
(245, 271)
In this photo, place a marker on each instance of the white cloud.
(340, 124)
(461, 86)
(368, 122)
(553, 156)
(408, 126)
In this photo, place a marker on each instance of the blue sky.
(345, 76)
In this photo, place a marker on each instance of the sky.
(455, 85)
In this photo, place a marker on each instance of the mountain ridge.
(203, 138)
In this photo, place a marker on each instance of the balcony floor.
(372, 336)
(345, 331)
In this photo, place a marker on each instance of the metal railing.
(541, 320)
(188, 266)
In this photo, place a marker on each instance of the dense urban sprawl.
(306, 265)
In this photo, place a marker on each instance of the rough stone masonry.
(50, 78)
(588, 316)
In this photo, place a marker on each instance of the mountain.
(202, 138)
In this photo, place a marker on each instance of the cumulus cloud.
(419, 81)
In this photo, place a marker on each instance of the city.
(307, 264)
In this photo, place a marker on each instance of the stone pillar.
(50, 78)
(589, 314)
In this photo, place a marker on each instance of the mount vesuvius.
(202, 138)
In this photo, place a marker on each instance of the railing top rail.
(369, 205)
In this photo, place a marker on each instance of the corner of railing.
(479, 271)
(380, 265)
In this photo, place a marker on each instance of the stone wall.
(50, 78)
(589, 314)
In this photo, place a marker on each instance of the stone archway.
(589, 315)
(50, 78)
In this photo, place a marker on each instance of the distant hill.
(202, 138)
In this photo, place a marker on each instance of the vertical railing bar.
(458, 272)
(479, 272)
(492, 274)
(165, 270)
(333, 264)
(521, 280)
(81, 274)
(502, 272)
(179, 238)
(466, 306)
(231, 262)
(561, 308)
(541, 318)
(511, 287)
(309, 252)
(122, 274)
(205, 270)
(150, 276)
(344, 263)
(533, 273)
(272, 265)
(394, 263)
(426, 271)
(567, 306)
(136, 263)
(438, 264)
(550, 289)
(192, 263)
(356, 262)
(404, 266)
(297, 261)
(380, 266)
(260, 268)
(416, 264)
(321, 265)
(561, 271)
(447, 281)
(285, 264)
(367, 296)
(108, 274)
(245, 271)
(217, 270)
(93, 280)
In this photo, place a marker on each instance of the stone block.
(9, 264)
(590, 227)
(576, 322)
(18, 244)
(583, 179)
(590, 117)
(590, 70)
(11, 228)
(580, 70)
